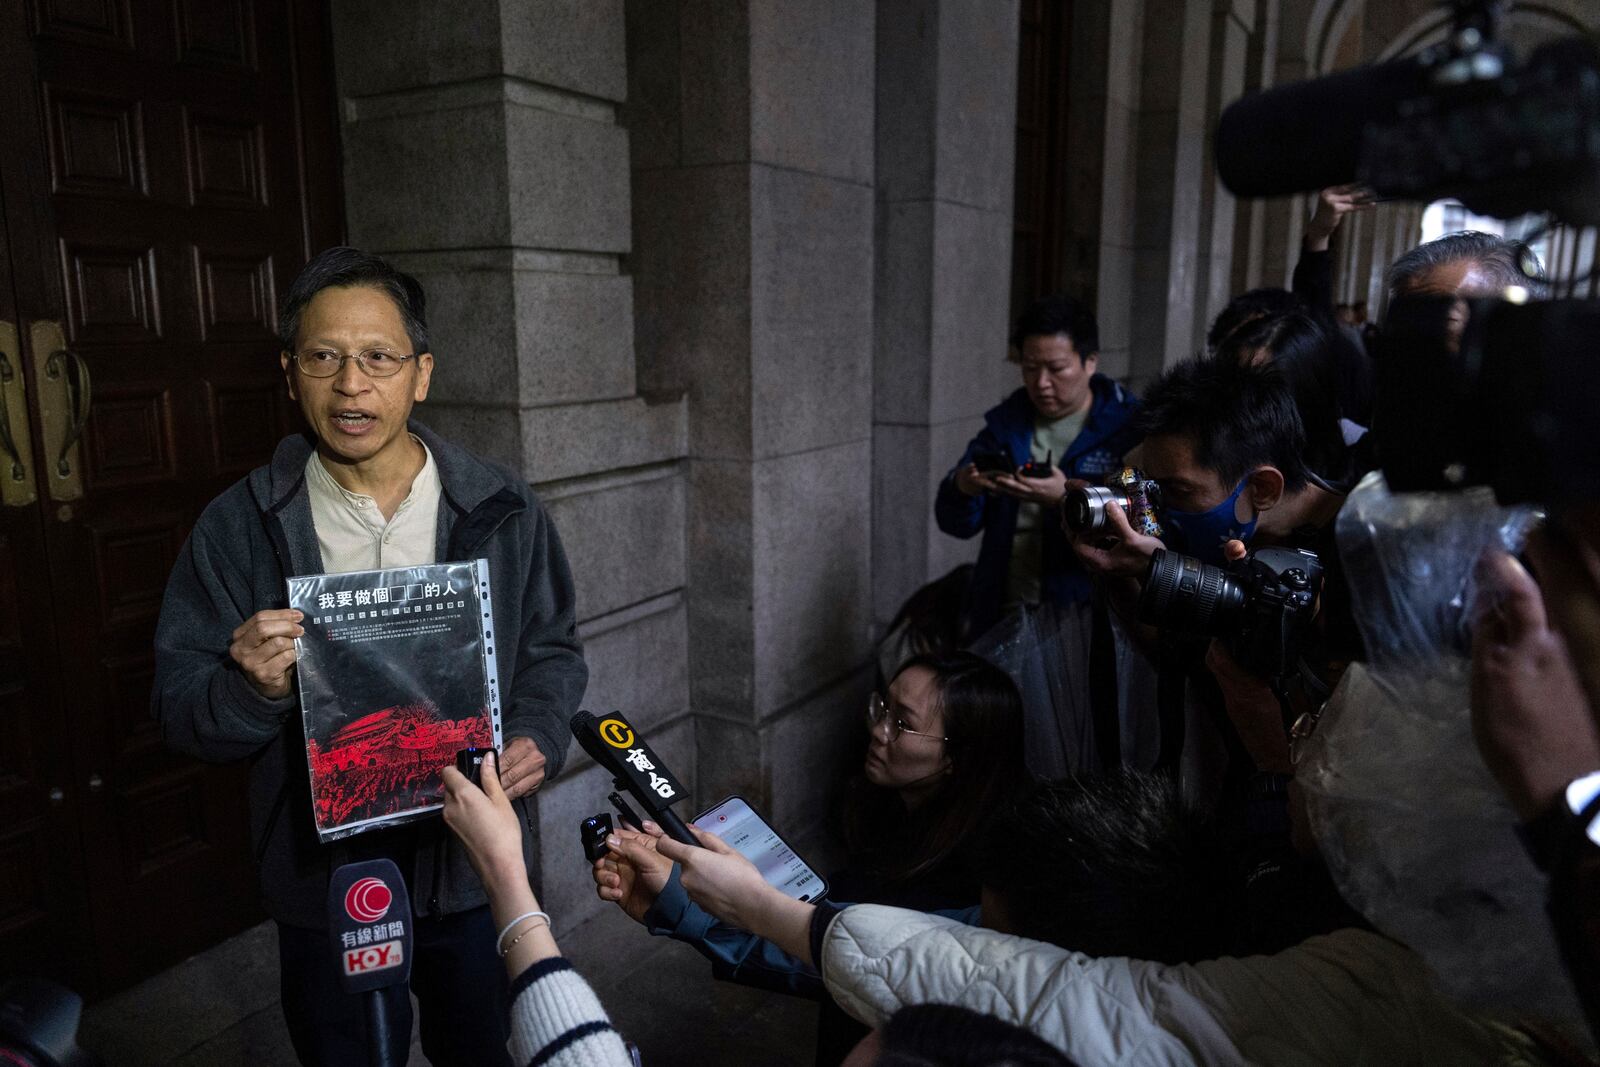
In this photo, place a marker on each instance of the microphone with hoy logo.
(369, 919)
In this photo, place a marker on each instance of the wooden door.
(174, 166)
(43, 898)
(1043, 175)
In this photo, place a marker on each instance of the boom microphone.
(615, 745)
(1308, 135)
(1453, 121)
(369, 919)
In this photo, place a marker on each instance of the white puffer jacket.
(1350, 999)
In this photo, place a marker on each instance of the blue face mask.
(1204, 532)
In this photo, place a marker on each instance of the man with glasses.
(365, 488)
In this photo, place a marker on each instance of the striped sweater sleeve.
(557, 1021)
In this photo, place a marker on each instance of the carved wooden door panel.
(177, 168)
(43, 900)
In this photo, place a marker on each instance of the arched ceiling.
(1390, 28)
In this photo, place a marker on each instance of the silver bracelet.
(502, 948)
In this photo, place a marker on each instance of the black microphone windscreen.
(1308, 135)
(369, 920)
(617, 747)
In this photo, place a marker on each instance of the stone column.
(1405, 229)
(1585, 283)
(1261, 65)
(753, 216)
(1171, 140)
(1232, 26)
(1103, 103)
(1284, 218)
(1379, 254)
(946, 104)
(482, 152)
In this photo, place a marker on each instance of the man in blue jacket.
(1066, 416)
(366, 488)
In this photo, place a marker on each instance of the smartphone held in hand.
(737, 823)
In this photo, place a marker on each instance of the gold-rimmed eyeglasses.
(892, 726)
(374, 362)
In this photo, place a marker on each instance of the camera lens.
(1085, 509)
(1184, 594)
(1075, 509)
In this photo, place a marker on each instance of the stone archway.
(1526, 24)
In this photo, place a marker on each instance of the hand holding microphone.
(634, 871)
(719, 879)
(730, 887)
(486, 824)
(615, 745)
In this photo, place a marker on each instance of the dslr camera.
(1084, 510)
(1259, 607)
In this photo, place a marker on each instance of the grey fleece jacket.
(234, 564)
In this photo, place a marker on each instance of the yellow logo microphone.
(614, 744)
(616, 733)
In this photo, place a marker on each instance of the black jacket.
(234, 564)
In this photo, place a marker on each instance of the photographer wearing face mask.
(1226, 442)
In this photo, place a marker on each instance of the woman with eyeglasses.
(944, 754)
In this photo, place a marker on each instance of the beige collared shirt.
(352, 533)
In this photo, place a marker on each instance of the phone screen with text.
(736, 822)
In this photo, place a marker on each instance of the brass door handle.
(17, 486)
(62, 380)
(66, 364)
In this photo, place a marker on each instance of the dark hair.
(1306, 353)
(1248, 307)
(930, 621)
(982, 714)
(347, 268)
(1050, 315)
(1505, 260)
(1111, 865)
(1237, 417)
(945, 1035)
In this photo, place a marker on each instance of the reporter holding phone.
(945, 753)
(556, 1019)
(1069, 421)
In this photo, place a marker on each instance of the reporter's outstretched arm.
(633, 875)
(1313, 272)
(736, 955)
(556, 1018)
(728, 886)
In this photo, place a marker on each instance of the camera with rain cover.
(1139, 498)
(1259, 606)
